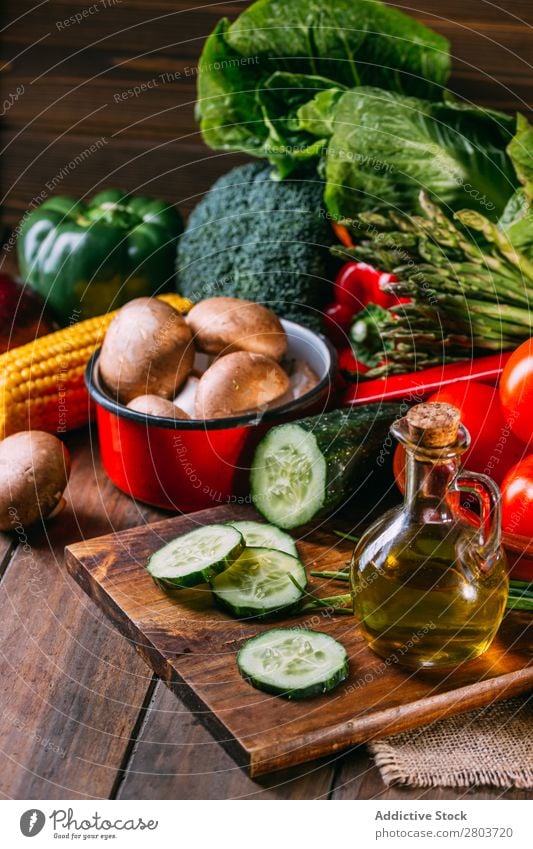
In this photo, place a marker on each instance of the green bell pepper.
(88, 258)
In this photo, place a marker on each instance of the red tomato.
(516, 391)
(494, 449)
(517, 499)
(337, 320)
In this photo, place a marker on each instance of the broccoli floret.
(254, 237)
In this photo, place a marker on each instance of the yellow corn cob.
(42, 383)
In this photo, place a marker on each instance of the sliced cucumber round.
(258, 583)
(293, 663)
(288, 476)
(261, 535)
(196, 557)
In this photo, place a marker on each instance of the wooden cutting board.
(189, 643)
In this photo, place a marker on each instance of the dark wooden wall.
(63, 84)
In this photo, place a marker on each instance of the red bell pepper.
(348, 365)
(417, 385)
(337, 322)
(358, 284)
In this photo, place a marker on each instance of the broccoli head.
(258, 238)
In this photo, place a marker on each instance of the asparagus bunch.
(470, 290)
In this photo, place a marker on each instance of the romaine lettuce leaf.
(520, 151)
(517, 217)
(289, 144)
(386, 147)
(517, 222)
(228, 121)
(349, 42)
(317, 116)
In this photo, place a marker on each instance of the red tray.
(417, 385)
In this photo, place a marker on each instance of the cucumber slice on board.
(261, 535)
(296, 664)
(258, 583)
(304, 470)
(196, 557)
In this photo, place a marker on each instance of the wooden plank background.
(70, 78)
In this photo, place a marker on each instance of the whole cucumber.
(304, 470)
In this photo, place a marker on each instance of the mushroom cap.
(224, 325)
(34, 470)
(153, 405)
(237, 383)
(147, 349)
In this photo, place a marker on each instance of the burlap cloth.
(492, 745)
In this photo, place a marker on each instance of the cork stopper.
(433, 425)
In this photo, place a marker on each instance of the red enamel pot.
(186, 465)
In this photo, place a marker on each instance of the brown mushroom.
(237, 383)
(153, 405)
(224, 325)
(147, 349)
(34, 470)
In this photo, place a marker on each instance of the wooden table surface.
(81, 715)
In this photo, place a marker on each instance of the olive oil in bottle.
(429, 586)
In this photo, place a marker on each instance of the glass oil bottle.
(429, 585)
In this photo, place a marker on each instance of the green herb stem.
(337, 603)
(520, 603)
(346, 536)
(335, 576)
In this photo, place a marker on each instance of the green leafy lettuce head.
(257, 72)
(386, 147)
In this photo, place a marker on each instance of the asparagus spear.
(471, 291)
